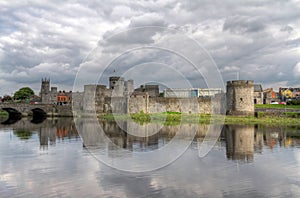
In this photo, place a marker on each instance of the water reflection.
(241, 141)
(10, 120)
(57, 130)
(23, 134)
(48, 160)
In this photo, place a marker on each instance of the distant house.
(35, 99)
(64, 97)
(258, 94)
(296, 93)
(286, 93)
(270, 96)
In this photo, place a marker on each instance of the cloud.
(297, 70)
(241, 25)
(260, 39)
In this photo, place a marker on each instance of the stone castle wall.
(240, 97)
(184, 105)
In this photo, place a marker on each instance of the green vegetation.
(6, 98)
(169, 118)
(277, 106)
(292, 114)
(293, 134)
(23, 134)
(293, 102)
(3, 113)
(23, 93)
(141, 117)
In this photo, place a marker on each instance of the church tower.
(45, 90)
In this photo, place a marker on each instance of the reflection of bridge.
(35, 110)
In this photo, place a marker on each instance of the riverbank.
(174, 118)
(276, 106)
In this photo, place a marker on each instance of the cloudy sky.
(258, 40)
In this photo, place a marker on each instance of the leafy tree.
(23, 93)
(6, 98)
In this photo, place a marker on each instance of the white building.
(191, 92)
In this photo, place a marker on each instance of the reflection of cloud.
(297, 157)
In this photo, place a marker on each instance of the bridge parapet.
(49, 109)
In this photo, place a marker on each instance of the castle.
(121, 98)
(52, 96)
(240, 97)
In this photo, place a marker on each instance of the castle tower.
(240, 97)
(116, 83)
(53, 95)
(89, 100)
(113, 81)
(129, 87)
(45, 90)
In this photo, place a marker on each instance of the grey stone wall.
(240, 97)
(184, 105)
(45, 91)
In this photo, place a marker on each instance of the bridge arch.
(38, 113)
(12, 113)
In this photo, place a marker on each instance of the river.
(60, 158)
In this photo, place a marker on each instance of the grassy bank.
(277, 106)
(176, 118)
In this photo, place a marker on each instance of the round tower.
(240, 97)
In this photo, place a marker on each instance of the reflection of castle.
(62, 129)
(133, 136)
(239, 142)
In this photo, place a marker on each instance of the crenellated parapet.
(240, 97)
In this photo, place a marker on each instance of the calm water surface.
(51, 159)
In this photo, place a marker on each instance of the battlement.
(116, 78)
(244, 83)
(240, 97)
(46, 80)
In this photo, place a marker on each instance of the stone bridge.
(36, 110)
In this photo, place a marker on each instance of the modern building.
(191, 92)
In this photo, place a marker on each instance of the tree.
(6, 98)
(23, 93)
